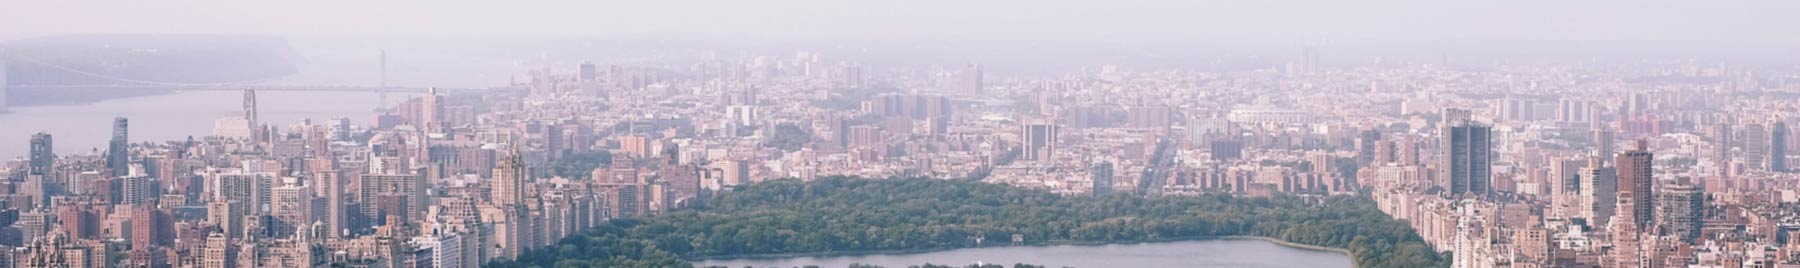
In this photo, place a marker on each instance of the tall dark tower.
(1466, 156)
(250, 107)
(1778, 133)
(43, 156)
(1635, 179)
(1103, 178)
(118, 154)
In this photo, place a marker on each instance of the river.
(86, 127)
(1234, 253)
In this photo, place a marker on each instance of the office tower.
(867, 137)
(250, 107)
(1722, 144)
(1571, 111)
(1778, 134)
(1465, 158)
(118, 154)
(151, 227)
(219, 253)
(1756, 145)
(1103, 178)
(972, 79)
(1678, 209)
(228, 215)
(635, 146)
(509, 181)
(1635, 179)
(336, 218)
(290, 208)
(1599, 192)
(252, 189)
(43, 155)
(587, 71)
(737, 171)
(1149, 117)
(1039, 141)
(79, 220)
(431, 111)
(1603, 142)
(403, 193)
(1369, 148)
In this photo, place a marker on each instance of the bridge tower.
(382, 87)
(3, 100)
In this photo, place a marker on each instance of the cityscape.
(1312, 155)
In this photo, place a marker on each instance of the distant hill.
(127, 59)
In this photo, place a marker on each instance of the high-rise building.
(973, 80)
(1466, 158)
(151, 227)
(290, 209)
(431, 111)
(1778, 134)
(509, 181)
(1635, 179)
(1039, 141)
(1369, 148)
(1722, 144)
(336, 218)
(43, 155)
(118, 154)
(1678, 209)
(1599, 192)
(1603, 142)
(587, 71)
(250, 107)
(219, 253)
(1103, 178)
(1756, 146)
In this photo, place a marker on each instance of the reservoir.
(1235, 253)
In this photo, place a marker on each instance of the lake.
(1236, 253)
(86, 127)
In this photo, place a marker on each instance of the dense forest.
(840, 214)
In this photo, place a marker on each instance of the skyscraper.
(1039, 141)
(290, 208)
(1756, 146)
(1603, 142)
(509, 180)
(1368, 148)
(1466, 158)
(1678, 208)
(1722, 144)
(43, 155)
(1778, 134)
(973, 79)
(587, 71)
(250, 107)
(1103, 178)
(1635, 179)
(118, 154)
(431, 110)
(1599, 192)
(336, 218)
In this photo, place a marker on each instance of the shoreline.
(1276, 241)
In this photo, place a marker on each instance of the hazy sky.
(1699, 23)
